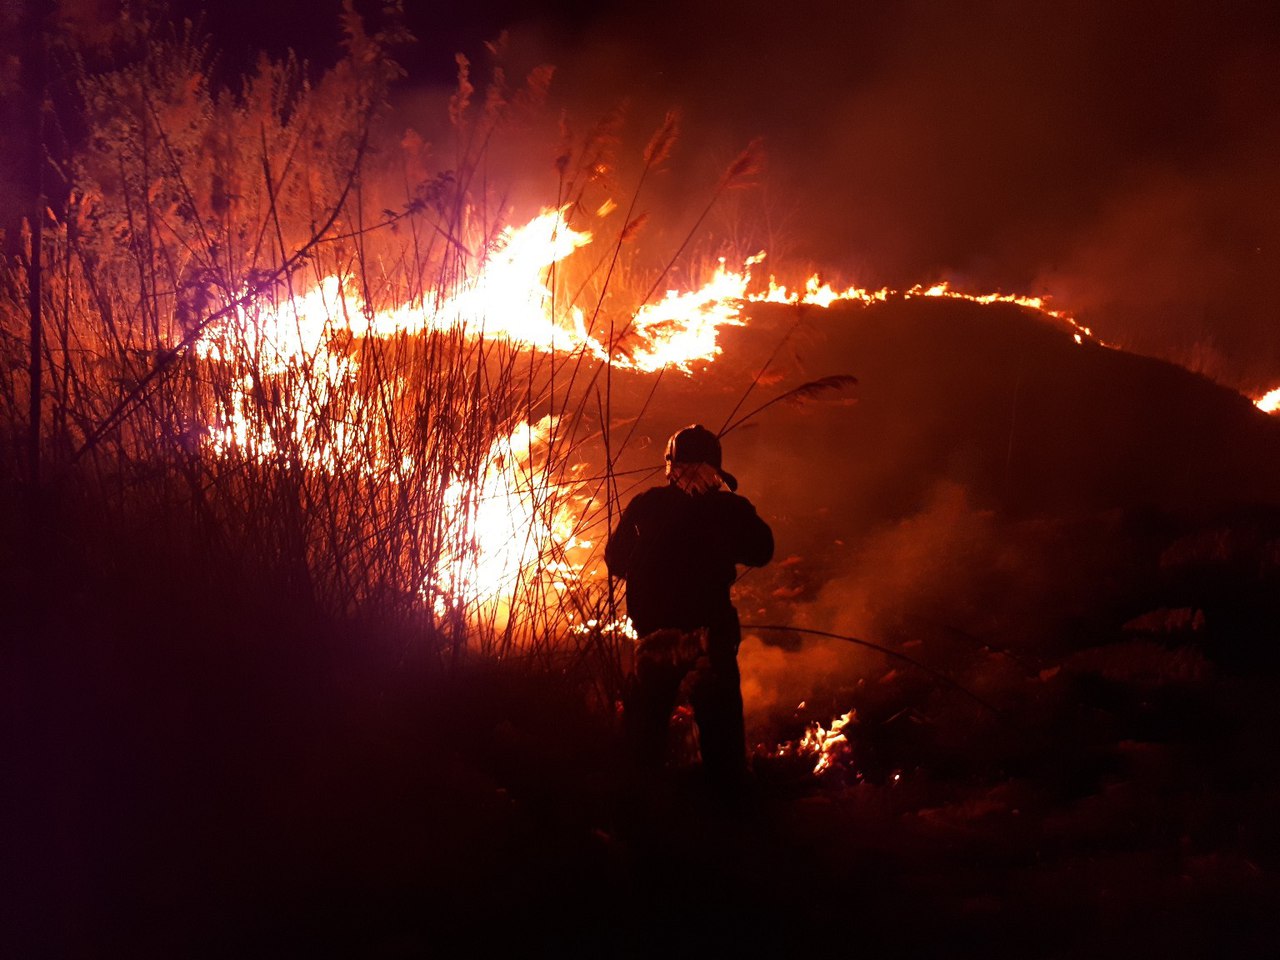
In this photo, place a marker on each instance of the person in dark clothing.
(677, 547)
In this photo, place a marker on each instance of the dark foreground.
(195, 764)
(229, 798)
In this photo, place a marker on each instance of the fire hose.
(888, 652)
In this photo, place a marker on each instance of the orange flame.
(507, 297)
(505, 518)
(682, 327)
(504, 527)
(1269, 402)
(827, 747)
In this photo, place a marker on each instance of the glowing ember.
(821, 294)
(829, 748)
(1038, 304)
(1269, 402)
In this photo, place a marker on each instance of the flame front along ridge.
(514, 514)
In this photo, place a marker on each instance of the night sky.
(1119, 156)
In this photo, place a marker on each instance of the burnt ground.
(263, 792)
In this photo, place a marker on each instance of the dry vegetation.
(235, 584)
(191, 382)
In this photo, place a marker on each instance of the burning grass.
(412, 409)
(402, 424)
(298, 461)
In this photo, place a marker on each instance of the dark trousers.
(705, 663)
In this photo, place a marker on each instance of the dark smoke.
(995, 487)
(1120, 157)
(1117, 156)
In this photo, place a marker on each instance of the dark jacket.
(678, 554)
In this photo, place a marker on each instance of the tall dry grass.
(196, 378)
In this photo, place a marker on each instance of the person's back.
(678, 553)
(677, 547)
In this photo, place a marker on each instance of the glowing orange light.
(1269, 402)
(511, 518)
(505, 529)
(827, 747)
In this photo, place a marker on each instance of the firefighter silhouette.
(677, 547)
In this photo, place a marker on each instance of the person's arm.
(753, 540)
(622, 543)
